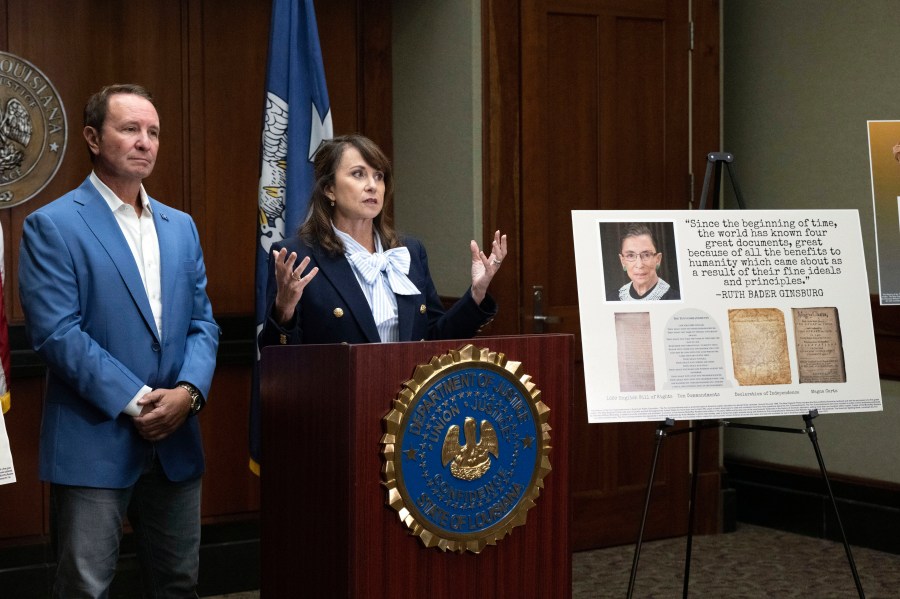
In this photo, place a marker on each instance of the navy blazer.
(88, 317)
(333, 308)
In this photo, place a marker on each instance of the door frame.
(503, 45)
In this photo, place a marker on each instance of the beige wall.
(437, 132)
(801, 78)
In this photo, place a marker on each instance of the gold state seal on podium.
(465, 450)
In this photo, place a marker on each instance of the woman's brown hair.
(317, 226)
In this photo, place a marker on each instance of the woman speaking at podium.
(349, 277)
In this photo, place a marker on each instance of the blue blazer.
(88, 317)
(333, 308)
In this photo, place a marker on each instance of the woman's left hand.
(485, 267)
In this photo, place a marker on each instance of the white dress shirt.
(140, 233)
(380, 275)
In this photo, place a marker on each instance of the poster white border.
(717, 274)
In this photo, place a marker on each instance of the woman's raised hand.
(485, 267)
(291, 283)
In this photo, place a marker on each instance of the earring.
(657, 268)
(624, 269)
(332, 203)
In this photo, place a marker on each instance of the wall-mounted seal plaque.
(33, 130)
(465, 450)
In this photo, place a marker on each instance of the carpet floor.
(751, 563)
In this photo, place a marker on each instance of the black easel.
(663, 431)
(714, 167)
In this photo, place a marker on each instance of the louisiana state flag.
(297, 118)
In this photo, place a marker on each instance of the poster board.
(884, 166)
(7, 470)
(767, 314)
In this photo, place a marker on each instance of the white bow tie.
(394, 262)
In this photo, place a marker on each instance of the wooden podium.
(326, 530)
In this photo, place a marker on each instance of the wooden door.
(604, 125)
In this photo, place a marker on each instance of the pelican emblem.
(472, 460)
(15, 126)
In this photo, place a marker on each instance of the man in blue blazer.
(113, 287)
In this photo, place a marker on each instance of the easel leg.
(714, 167)
(692, 512)
(813, 437)
(660, 435)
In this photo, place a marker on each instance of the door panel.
(604, 126)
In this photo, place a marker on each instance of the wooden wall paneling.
(705, 75)
(95, 44)
(229, 48)
(339, 34)
(193, 132)
(375, 76)
(4, 25)
(229, 488)
(24, 502)
(572, 143)
(205, 63)
(677, 110)
(355, 36)
(501, 106)
(226, 83)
